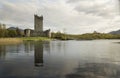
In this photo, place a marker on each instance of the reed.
(35, 39)
(10, 40)
(21, 39)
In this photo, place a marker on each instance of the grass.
(35, 39)
(21, 39)
(10, 41)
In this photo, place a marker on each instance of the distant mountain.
(115, 32)
(12, 28)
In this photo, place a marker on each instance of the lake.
(61, 59)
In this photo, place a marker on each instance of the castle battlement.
(38, 28)
(38, 17)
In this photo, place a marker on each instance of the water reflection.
(25, 48)
(60, 59)
(2, 51)
(96, 70)
(28, 46)
(38, 54)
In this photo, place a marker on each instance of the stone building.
(38, 28)
(38, 22)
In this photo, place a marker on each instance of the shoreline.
(35, 39)
(22, 39)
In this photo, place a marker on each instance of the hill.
(12, 28)
(115, 32)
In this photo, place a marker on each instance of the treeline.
(61, 36)
(87, 36)
(10, 33)
(91, 36)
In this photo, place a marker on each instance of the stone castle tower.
(38, 28)
(38, 22)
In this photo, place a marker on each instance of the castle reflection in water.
(38, 54)
(60, 59)
(27, 47)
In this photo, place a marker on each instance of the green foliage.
(59, 35)
(12, 33)
(87, 36)
(97, 36)
(19, 33)
(35, 39)
(3, 33)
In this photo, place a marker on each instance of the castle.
(38, 28)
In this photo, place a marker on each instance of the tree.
(12, 33)
(18, 31)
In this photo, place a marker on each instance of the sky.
(69, 16)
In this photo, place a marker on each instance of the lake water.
(61, 59)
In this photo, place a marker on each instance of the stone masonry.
(38, 22)
(38, 28)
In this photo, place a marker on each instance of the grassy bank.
(35, 39)
(10, 40)
(20, 40)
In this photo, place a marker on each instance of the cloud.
(17, 13)
(105, 8)
(73, 1)
(76, 16)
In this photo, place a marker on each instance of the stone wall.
(27, 32)
(38, 22)
(42, 34)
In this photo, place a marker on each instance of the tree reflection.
(2, 51)
(28, 46)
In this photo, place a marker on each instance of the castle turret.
(38, 22)
(27, 32)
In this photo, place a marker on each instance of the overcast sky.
(72, 16)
